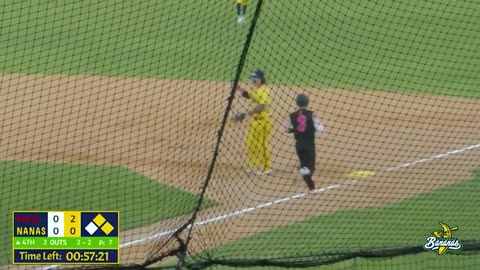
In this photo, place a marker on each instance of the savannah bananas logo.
(443, 240)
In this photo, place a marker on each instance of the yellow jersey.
(242, 2)
(260, 96)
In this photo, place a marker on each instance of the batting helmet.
(258, 74)
(302, 100)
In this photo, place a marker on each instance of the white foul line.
(423, 160)
(236, 213)
(296, 196)
(226, 216)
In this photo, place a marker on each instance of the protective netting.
(135, 106)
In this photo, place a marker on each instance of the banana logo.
(445, 233)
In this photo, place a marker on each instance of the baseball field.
(116, 105)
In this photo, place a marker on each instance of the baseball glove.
(238, 117)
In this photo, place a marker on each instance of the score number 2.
(72, 229)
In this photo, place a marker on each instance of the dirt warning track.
(167, 130)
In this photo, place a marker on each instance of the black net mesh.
(177, 114)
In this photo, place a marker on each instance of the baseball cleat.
(268, 172)
(304, 171)
(258, 172)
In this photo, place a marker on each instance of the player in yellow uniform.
(258, 134)
(241, 10)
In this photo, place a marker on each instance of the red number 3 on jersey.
(302, 123)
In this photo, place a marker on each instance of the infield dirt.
(167, 130)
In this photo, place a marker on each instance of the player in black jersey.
(304, 124)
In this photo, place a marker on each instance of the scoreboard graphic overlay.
(65, 237)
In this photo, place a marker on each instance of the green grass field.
(419, 261)
(428, 47)
(55, 186)
(409, 222)
(386, 45)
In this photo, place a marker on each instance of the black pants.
(307, 155)
(241, 10)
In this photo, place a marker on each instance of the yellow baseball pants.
(258, 144)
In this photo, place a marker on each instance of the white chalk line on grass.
(296, 196)
(238, 213)
(229, 215)
(439, 156)
(293, 197)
